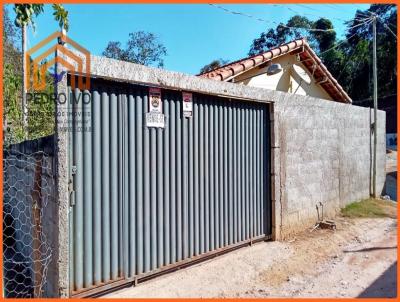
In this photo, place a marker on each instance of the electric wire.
(269, 21)
(385, 26)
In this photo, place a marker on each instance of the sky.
(194, 34)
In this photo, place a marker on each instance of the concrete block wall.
(322, 152)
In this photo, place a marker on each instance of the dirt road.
(358, 260)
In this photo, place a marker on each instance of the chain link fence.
(27, 188)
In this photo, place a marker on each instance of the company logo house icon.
(73, 61)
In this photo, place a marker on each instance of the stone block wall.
(322, 153)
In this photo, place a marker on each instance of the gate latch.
(71, 193)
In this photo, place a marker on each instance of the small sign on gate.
(187, 104)
(155, 117)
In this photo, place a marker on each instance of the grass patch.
(370, 208)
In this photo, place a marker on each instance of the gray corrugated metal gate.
(147, 199)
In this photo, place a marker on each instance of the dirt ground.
(357, 260)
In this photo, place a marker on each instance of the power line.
(308, 7)
(385, 26)
(308, 14)
(341, 42)
(371, 98)
(269, 21)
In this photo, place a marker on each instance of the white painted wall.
(287, 80)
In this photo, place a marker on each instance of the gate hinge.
(73, 170)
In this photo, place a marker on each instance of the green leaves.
(295, 28)
(25, 12)
(213, 65)
(61, 15)
(142, 48)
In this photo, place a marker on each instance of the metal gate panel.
(146, 199)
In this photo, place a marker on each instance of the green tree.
(356, 74)
(142, 48)
(297, 27)
(213, 65)
(61, 16)
(18, 125)
(350, 59)
(25, 16)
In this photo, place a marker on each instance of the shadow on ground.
(370, 249)
(385, 286)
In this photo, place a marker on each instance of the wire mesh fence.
(27, 187)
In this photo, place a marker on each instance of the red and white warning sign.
(155, 104)
(155, 117)
(187, 104)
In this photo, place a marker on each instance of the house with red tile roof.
(291, 67)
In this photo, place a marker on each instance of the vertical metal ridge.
(105, 176)
(266, 158)
(167, 230)
(221, 174)
(132, 182)
(78, 184)
(243, 171)
(139, 110)
(254, 166)
(258, 152)
(196, 173)
(201, 177)
(263, 173)
(239, 173)
(247, 172)
(230, 175)
(225, 178)
(114, 184)
(146, 173)
(173, 182)
(97, 198)
(251, 186)
(87, 189)
(126, 230)
(160, 196)
(206, 180)
(153, 197)
(234, 174)
(185, 181)
(216, 176)
(120, 181)
(191, 208)
(211, 173)
(179, 182)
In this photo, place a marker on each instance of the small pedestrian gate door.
(148, 199)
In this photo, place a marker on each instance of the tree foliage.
(349, 59)
(40, 113)
(213, 65)
(25, 13)
(297, 27)
(61, 16)
(141, 48)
